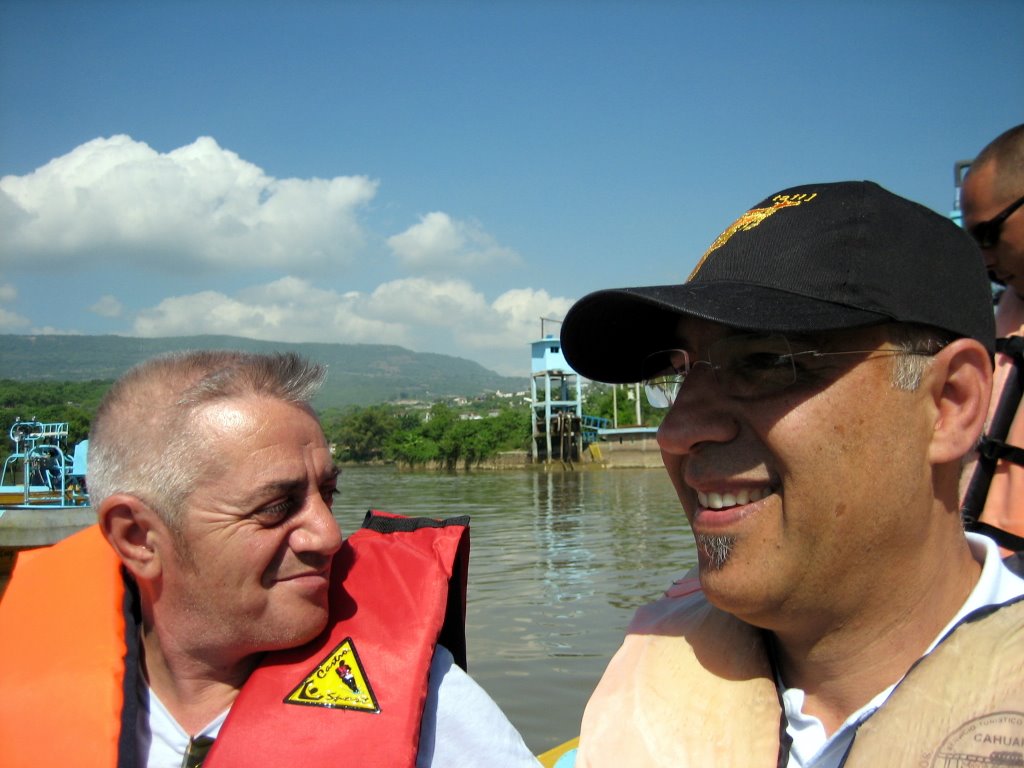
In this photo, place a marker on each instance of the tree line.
(441, 435)
(49, 401)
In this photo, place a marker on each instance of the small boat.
(39, 473)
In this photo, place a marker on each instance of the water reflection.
(560, 560)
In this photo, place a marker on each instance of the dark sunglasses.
(987, 233)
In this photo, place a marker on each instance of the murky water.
(559, 562)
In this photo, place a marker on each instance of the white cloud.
(10, 322)
(422, 303)
(438, 244)
(50, 330)
(521, 310)
(290, 309)
(118, 200)
(107, 306)
(448, 317)
(113, 211)
(452, 317)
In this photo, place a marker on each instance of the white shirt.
(462, 727)
(812, 748)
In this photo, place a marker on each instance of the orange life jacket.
(693, 686)
(354, 694)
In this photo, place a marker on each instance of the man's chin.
(312, 624)
(713, 551)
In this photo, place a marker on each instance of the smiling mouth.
(713, 500)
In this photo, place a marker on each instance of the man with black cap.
(825, 367)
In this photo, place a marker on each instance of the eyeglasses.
(987, 233)
(746, 367)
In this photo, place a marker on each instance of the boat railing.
(39, 472)
(591, 424)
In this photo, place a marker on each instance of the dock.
(32, 527)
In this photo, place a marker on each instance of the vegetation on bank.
(49, 401)
(454, 433)
(443, 436)
(451, 434)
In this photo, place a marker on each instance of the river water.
(559, 562)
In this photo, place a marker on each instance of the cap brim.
(607, 335)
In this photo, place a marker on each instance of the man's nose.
(699, 414)
(318, 530)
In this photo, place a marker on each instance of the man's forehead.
(979, 193)
(245, 411)
(692, 332)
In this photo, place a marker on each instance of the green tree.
(360, 434)
(411, 448)
(74, 402)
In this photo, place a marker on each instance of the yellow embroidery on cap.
(337, 682)
(751, 219)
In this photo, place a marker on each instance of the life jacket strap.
(994, 449)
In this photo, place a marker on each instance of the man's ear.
(135, 531)
(960, 382)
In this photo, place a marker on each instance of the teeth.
(721, 500)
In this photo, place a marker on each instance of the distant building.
(556, 397)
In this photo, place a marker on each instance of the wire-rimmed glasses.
(747, 367)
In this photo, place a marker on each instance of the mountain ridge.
(357, 374)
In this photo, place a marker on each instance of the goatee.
(713, 551)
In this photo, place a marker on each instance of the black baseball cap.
(818, 257)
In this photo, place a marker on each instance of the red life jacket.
(355, 693)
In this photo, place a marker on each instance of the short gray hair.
(143, 440)
(920, 343)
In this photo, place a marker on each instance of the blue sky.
(440, 175)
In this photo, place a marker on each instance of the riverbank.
(616, 453)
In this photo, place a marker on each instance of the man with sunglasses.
(992, 204)
(825, 369)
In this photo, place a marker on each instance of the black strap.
(1004, 539)
(994, 450)
(127, 741)
(999, 428)
(384, 524)
(1012, 346)
(196, 751)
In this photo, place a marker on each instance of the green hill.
(358, 374)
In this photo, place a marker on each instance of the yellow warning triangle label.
(337, 682)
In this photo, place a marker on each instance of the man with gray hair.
(824, 370)
(214, 615)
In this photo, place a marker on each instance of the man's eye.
(759, 373)
(278, 513)
(328, 493)
(759, 366)
(764, 361)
